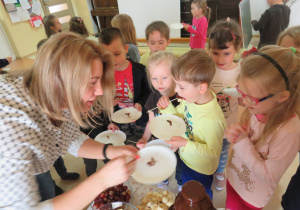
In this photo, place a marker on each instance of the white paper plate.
(231, 92)
(127, 115)
(165, 164)
(116, 138)
(159, 142)
(176, 26)
(166, 126)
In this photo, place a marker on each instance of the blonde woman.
(126, 26)
(40, 115)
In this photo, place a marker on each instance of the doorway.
(62, 9)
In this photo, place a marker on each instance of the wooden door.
(62, 9)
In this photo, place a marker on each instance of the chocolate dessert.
(192, 197)
(169, 121)
(151, 162)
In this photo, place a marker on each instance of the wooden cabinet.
(105, 10)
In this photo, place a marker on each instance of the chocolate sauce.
(192, 197)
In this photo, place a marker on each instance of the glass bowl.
(151, 193)
(117, 196)
(119, 206)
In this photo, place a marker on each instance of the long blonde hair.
(61, 74)
(293, 32)
(126, 26)
(158, 58)
(256, 67)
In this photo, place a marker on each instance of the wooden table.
(20, 64)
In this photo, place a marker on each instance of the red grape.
(112, 194)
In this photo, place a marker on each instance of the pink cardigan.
(254, 168)
(198, 33)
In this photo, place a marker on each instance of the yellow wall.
(24, 38)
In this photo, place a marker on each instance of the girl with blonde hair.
(266, 140)
(160, 78)
(40, 118)
(125, 24)
(290, 38)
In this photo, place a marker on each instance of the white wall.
(259, 6)
(143, 12)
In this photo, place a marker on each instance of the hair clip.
(233, 35)
(293, 50)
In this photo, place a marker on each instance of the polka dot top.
(29, 145)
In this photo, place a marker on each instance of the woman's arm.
(94, 150)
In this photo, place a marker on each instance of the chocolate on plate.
(152, 162)
(169, 121)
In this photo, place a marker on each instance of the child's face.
(224, 58)
(161, 79)
(57, 26)
(188, 91)
(288, 41)
(94, 88)
(156, 42)
(119, 51)
(196, 12)
(253, 88)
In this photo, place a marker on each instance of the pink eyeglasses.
(251, 100)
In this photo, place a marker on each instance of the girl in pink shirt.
(198, 31)
(266, 140)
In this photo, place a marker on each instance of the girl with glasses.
(266, 140)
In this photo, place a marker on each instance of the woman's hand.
(119, 151)
(163, 102)
(116, 171)
(138, 107)
(177, 141)
(141, 143)
(236, 132)
(113, 127)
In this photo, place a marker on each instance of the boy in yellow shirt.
(201, 146)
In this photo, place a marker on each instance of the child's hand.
(236, 132)
(141, 143)
(116, 101)
(138, 107)
(113, 127)
(186, 26)
(177, 141)
(163, 102)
